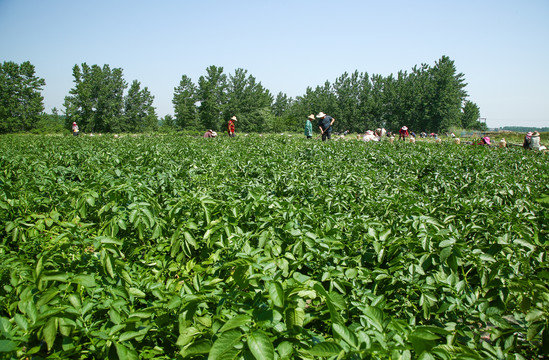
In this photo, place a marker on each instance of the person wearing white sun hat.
(325, 123)
(403, 133)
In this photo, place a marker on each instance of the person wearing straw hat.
(210, 134)
(325, 123)
(403, 133)
(309, 126)
(231, 128)
(75, 130)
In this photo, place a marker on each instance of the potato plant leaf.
(260, 346)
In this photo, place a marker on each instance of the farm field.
(271, 247)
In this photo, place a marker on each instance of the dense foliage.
(271, 248)
(429, 98)
(21, 101)
(97, 102)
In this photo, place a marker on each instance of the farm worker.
(309, 126)
(380, 133)
(231, 126)
(527, 140)
(534, 141)
(484, 141)
(502, 143)
(403, 133)
(369, 136)
(325, 123)
(75, 130)
(210, 134)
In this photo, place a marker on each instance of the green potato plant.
(175, 247)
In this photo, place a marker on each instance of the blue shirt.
(325, 123)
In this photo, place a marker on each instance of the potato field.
(274, 247)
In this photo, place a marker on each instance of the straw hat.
(320, 115)
(535, 133)
(404, 128)
(234, 118)
(312, 117)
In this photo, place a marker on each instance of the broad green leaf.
(235, 322)
(325, 349)
(108, 265)
(136, 292)
(86, 280)
(343, 332)
(223, 347)
(277, 294)
(75, 301)
(533, 331)
(534, 315)
(426, 356)
(49, 332)
(447, 243)
(109, 240)
(125, 353)
(61, 277)
(260, 346)
(285, 349)
(375, 317)
(190, 240)
(21, 321)
(197, 347)
(425, 335)
(128, 335)
(187, 335)
(294, 317)
(39, 267)
(7, 346)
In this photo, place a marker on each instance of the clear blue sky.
(502, 47)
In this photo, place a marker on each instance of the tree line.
(427, 98)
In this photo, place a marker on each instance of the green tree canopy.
(139, 112)
(96, 102)
(248, 100)
(212, 97)
(184, 102)
(21, 101)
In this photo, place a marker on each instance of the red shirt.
(231, 126)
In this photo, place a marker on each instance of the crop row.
(271, 248)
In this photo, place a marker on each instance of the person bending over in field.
(231, 126)
(484, 141)
(210, 134)
(403, 133)
(325, 123)
(75, 130)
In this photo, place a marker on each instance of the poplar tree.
(139, 112)
(21, 101)
(184, 103)
(96, 102)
